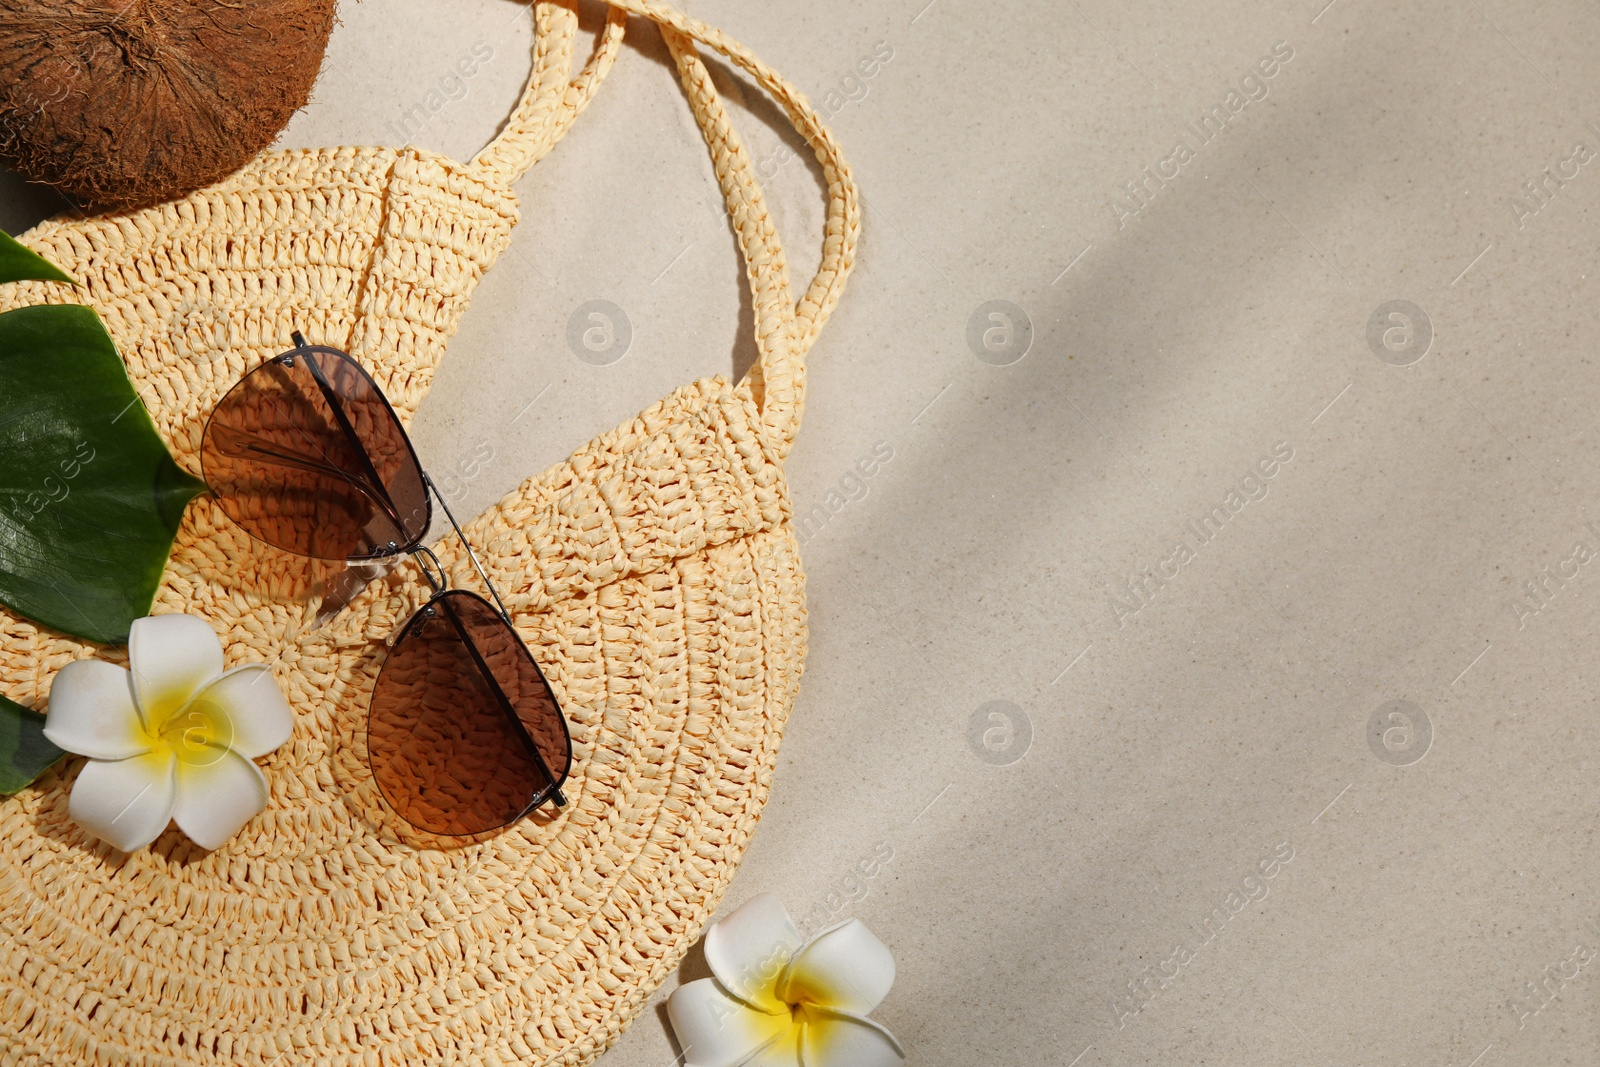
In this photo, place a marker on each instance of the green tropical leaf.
(25, 753)
(90, 499)
(18, 263)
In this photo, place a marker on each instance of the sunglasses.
(463, 732)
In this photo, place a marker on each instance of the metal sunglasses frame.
(432, 570)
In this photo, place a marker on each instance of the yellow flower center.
(802, 989)
(197, 731)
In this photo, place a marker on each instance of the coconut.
(124, 103)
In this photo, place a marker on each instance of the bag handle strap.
(553, 97)
(785, 330)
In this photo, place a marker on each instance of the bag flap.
(689, 473)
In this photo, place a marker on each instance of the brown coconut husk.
(124, 103)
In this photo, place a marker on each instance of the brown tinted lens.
(446, 751)
(306, 454)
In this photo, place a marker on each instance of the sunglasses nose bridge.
(432, 569)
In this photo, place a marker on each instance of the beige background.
(1145, 761)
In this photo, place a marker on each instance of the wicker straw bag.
(654, 574)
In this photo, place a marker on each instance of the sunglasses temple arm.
(304, 463)
(478, 566)
(556, 794)
(263, 451)
(381, 496)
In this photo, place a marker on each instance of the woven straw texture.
(654, 574)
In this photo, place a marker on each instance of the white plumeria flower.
(776, 1002)
(172, 739)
